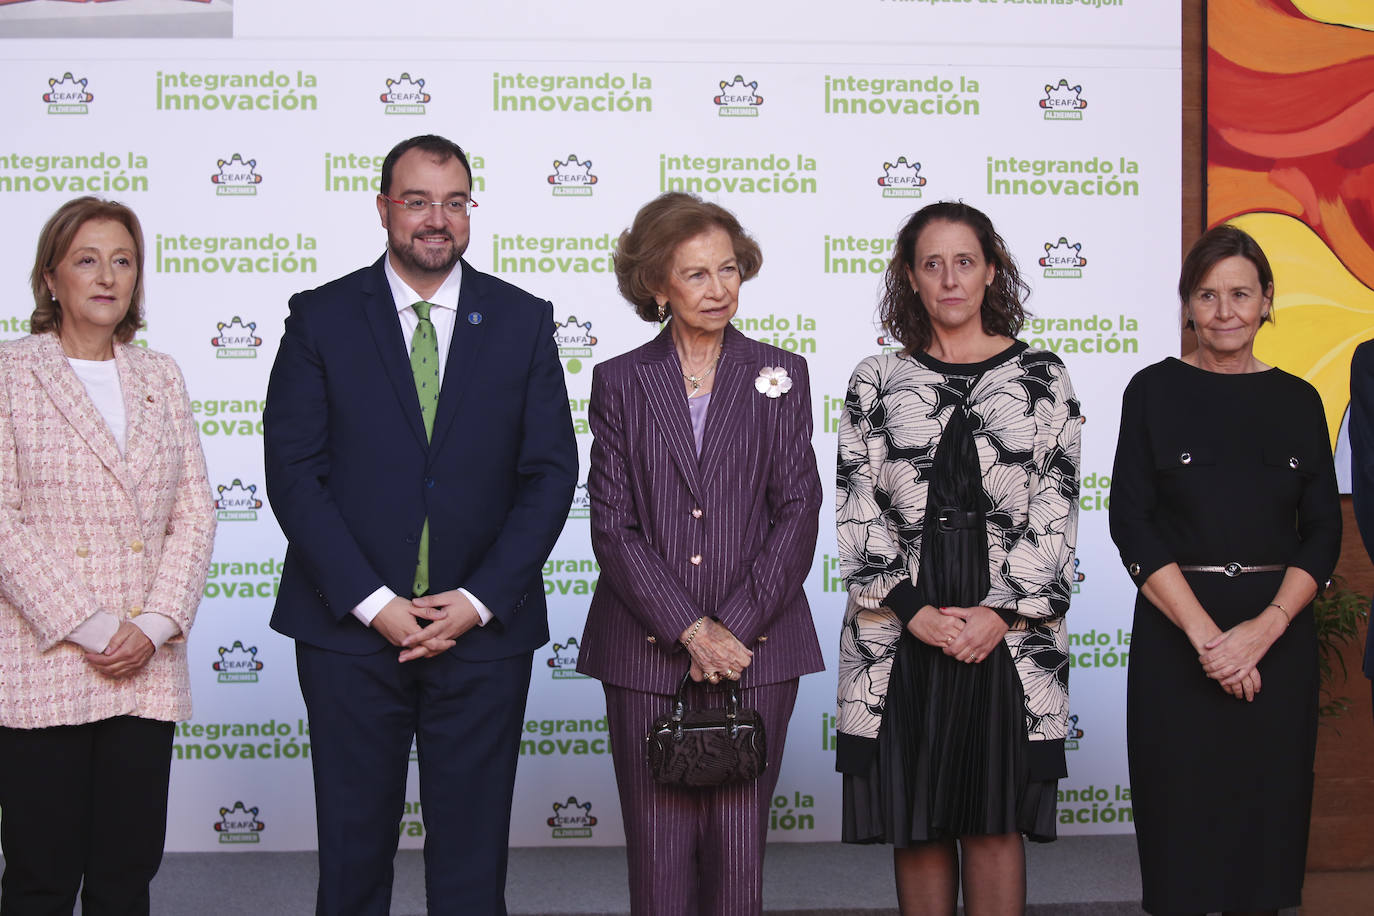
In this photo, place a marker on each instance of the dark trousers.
(694, 852)
(83, 802)
(465, 718)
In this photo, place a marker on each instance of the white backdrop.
(253, 162)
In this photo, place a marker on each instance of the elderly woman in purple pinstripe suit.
(705, 500)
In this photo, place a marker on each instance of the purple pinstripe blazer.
(730, 536)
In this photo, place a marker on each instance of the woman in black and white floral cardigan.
(957, 517)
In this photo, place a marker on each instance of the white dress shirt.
(442, 315)
(101, 380)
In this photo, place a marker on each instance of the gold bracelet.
(1282, 610)
(687, 643)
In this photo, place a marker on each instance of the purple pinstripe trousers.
(694, 852)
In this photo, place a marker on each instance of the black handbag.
(707, 747)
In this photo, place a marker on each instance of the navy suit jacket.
(746, 512)
(1362, 459)
(352, 478)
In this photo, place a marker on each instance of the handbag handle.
(680, 704)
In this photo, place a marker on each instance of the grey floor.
(1076, 875)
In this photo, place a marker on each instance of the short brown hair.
(645, 251)
(1214, 246)
(441, 149)
(56, 240)
(903, 313)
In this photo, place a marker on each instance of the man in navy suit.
(1362, 462)
(417, 525)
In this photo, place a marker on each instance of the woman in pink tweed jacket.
(106, 530)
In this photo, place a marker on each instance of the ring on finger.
(730, 673)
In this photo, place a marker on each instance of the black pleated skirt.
(952, 757)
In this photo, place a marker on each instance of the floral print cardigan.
(1026, 427)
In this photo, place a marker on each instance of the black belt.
(950, 519)
(1235, 569)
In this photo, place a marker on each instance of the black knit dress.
(1214, 469)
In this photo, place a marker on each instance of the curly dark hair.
(644, 254)
(901, 310)
(54, 242)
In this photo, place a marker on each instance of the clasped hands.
(715, 652)
(450, 615)
(1230, 657)
(127, 652)
(967, 634)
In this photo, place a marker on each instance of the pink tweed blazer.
(83, 528)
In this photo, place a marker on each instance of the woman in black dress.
(957, 517)
(1225, 510)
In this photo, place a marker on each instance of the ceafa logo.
(572, 178)
(564, 660)
(575, 341)
(236, 340)
(1064, 260)
(1073, 734)
(237, 503)
(738, 99)
(67, 95)
(572, 820)
(238, 665)
(889, 343)
(1063, 102)
(1078, 576)
(236, 177)
(239, 824)
(405, 96)
(581, 503)
(901, 179)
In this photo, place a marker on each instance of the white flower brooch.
(773, 381)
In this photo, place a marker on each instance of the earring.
(662, 312)
(52, 295)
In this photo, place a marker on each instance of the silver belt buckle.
(1232, 569)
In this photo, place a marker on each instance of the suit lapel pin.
(474, 317)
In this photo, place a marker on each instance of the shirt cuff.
(157, 627)
(93, 634)
(904, 601)
(372, 605)
(483, 614)
(1009, 617)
